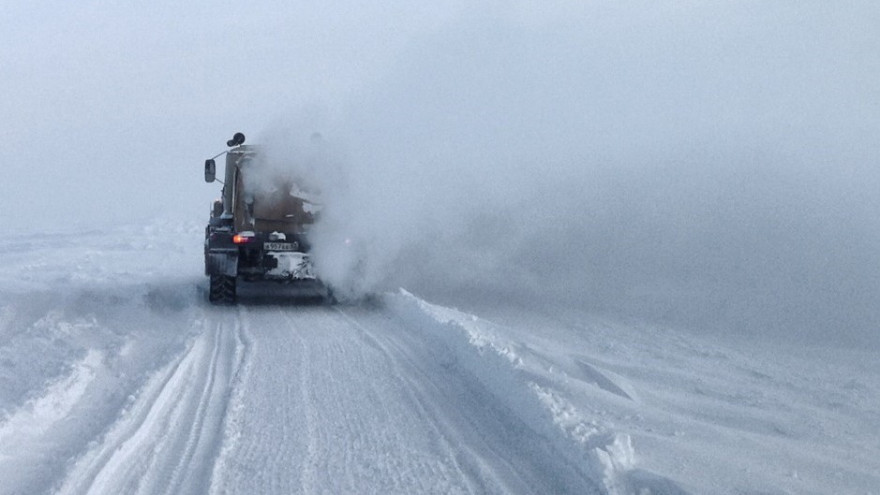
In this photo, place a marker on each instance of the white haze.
(712, 164)
(706, 163)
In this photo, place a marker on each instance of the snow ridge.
(139, 454)
(39, 415)
(608, 456)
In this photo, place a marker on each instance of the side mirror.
(210, 170)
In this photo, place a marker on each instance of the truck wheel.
(222, 290)
(330, 298)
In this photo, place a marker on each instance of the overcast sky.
(704, 161)
(109, 108)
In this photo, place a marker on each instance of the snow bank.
(504, 370)
(37, 416)
(86, 318)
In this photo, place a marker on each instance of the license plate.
(280, 246)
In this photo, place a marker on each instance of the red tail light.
(240, 239)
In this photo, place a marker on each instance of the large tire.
(222, 290)
(329, 298)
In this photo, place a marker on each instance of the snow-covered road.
(347, 400)
(314, 399)
(110, 383)
(298, 399)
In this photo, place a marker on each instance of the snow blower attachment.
(258, 230)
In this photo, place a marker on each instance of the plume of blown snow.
(714, 165)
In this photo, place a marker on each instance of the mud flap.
(222, 263)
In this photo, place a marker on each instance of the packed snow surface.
(117, 377)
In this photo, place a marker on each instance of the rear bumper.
(290, 265)
(261, 257)
(283, 266)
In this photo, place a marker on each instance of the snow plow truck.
(258, 229)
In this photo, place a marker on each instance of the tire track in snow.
(168, 439)
(403, 376)
(310, 399)
(399, 437)
(232, 420)
(498, 450)
(261, 446)
(326, 412)
(356, 347)
(308, 472)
